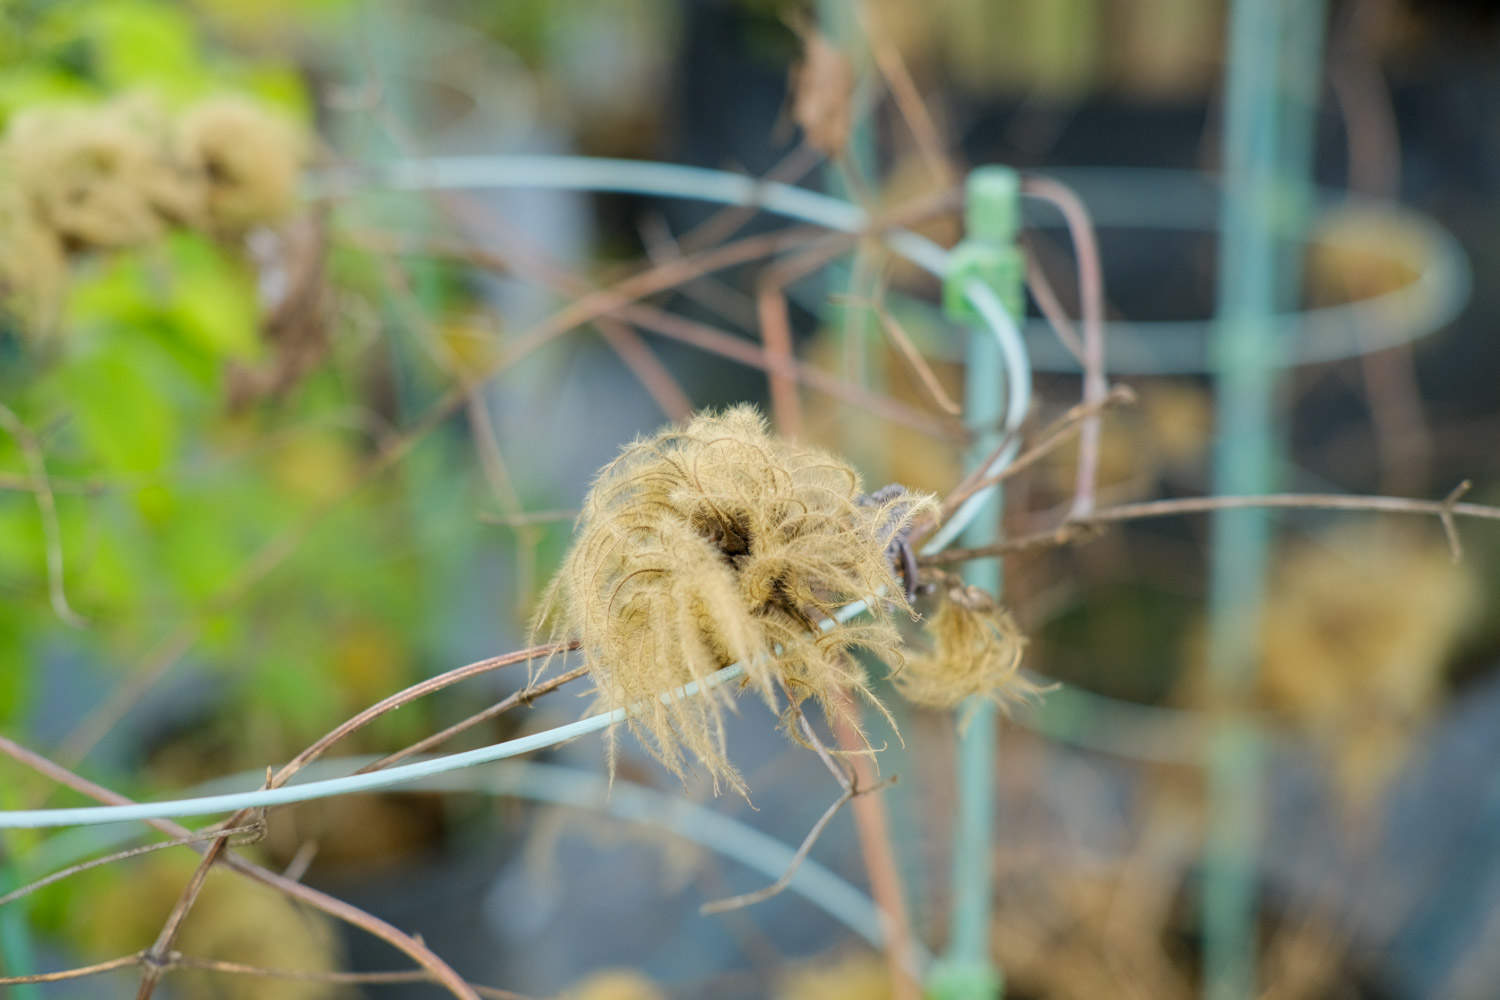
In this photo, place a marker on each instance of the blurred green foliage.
(75, 49)
(171, 498)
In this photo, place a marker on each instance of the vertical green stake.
(988, 253)
(1265, 167)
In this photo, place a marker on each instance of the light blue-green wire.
(669, 180)
(349, 784)
(625, 800)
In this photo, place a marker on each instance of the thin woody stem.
(1072, 529)
(1091, 293)
(775, 888)
(523, 697)
(880, 856)
(82, 972)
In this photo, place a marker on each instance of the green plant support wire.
(1272, 43)
(989, 256)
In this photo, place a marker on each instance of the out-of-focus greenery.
(243, 521)
(167, 496)
(90, 48)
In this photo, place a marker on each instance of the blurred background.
(252, 479)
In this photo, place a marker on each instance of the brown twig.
(779, 886)
(727, 221)
(903, 88)
(814, 741)
(926, 377)
(253, 829)
(82, 972)
(410, 694)
(523, 697)
(776, 328)
(659, 383)
(1091, 293)
(713, 294)
(1051, 439)
(522, 256)
(1403, 435)
(776, 334)
(707, 338)
(1070, 530)
(879, 855)
(502, 487)
(1052, 309)
(46, 504)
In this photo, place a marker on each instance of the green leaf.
(212, 298)
(145, 44)
(26, 85)
(124, 417)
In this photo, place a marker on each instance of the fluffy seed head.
(248, 160)
(83, 168)
(1356, 633)
(717, 543)
(33, 267)
(976, 651)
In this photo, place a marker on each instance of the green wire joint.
(988, 252)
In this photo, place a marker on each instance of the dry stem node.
(716, 543)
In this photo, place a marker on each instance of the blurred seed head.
(84, 171)
(823, 94)
(247, 158)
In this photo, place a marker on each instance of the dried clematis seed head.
(717, 543)
(823, 94)
(976, 650)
